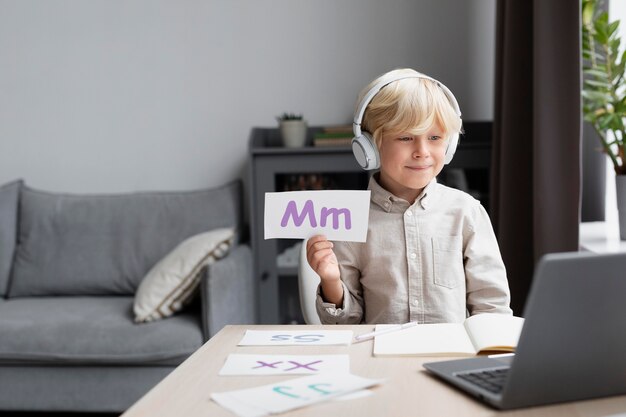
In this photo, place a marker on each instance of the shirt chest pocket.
(448, 267)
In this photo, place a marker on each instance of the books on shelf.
(333, 136)
(302, 182)
(345, 141)
(477, 335)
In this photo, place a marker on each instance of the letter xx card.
(257, 364)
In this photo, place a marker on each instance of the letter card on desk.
(290, 394)
(257, 364)
(295, 337)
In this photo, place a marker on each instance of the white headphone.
(363, 146)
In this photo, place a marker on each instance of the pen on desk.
(373, 334)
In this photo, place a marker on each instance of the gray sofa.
(69, 267)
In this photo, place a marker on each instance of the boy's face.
(408, 162)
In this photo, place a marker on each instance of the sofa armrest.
(228, 292)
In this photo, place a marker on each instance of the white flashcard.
(253, 364)
(296, 337)
(337, 214)
(291, 394)
(243, 410)
(234, 405)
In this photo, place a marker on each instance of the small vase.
(620, 188)
(293, 133)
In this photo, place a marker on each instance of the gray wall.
(122, 95)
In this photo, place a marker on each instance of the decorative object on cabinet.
(334, 136)
(293, 130)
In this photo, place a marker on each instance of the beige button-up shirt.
(432, 262)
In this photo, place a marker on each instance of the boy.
(431, 255)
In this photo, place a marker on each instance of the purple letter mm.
(334, 212)
(298, 219)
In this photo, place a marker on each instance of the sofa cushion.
(9, 196)
(72, 244)
(91, 330)
(172, 282)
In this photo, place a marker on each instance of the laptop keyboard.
(491, 379)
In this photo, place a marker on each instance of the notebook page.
(494, 332)
(446, 339)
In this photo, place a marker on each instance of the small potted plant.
(293, 129)
(604, 93)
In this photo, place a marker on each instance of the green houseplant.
(293, 129)
(604, 92)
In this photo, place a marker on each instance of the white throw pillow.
(170, 284)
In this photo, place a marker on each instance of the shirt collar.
(426, 198)
(387, 201)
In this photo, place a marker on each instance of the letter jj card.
(337, 214)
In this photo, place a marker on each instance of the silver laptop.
(573, 343)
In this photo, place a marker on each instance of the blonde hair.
(411, 105)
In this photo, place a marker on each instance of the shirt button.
(413, 256)
(409, 213)
(415, 303)
(386, 203)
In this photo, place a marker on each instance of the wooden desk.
(407, 391)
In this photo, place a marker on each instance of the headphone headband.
(367, 98)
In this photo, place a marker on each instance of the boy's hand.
(320, 255)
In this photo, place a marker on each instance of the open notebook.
(479, 334)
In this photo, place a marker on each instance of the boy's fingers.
(314, 256)
(319, 249)
(321, 257)
(314, 239)
(318, 242)
(320, 254)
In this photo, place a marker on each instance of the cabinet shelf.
(290, 271)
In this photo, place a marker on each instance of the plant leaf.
(587, 13)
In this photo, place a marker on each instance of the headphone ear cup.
(451, 149)
(365, 151)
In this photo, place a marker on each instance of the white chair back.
(308, 281)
